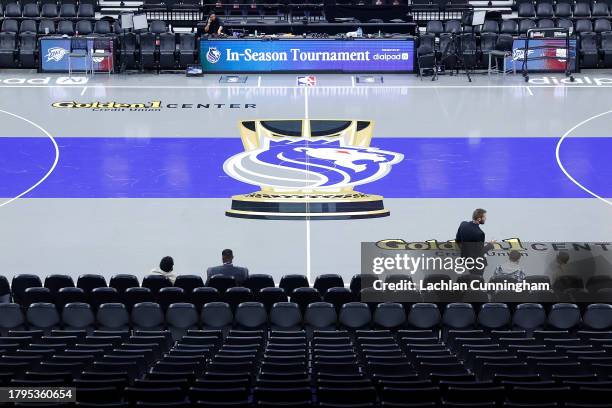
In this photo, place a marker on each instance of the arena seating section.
(220, 345)
(162, 49)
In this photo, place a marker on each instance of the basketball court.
(112, 190)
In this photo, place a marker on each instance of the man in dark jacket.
(470, 239)
(228, 269)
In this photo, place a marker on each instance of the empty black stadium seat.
(251, 315)
(525, 25)
(148, 50)
(20, 283)
(355, 316)
(459, 316)
(167, 51)
(526, 10)
(188, 282)
(85, 10)
(236, 295)
(65, 27)
(49, 10)
(83, 27)
(362, 281)
(321, 316)
(221, 282)
(57, 282)
(598, 316)
(27, 26)
(563, 9)
(544, 10)
(155, 283)
(127, 50)
(102, 295)
(201, 296)
(509, 27)
(78, 316)
(453, 26)
(167, 296)
(338, 296)
(5, 290)
(12, 10)
(36, 295)
(89, 282)
(181, 317)
(326, 281)
(216, 315)
(11, 318)
(564, 316)
(157, 27)
(424, 316)
(599, 9)
(113, 317)
(70, 295)
(31, 10)
(102, 27)
(270, 296)
(123, 282)
(546, 23)
(136, 295)
(305, 296)
(46, 27)
(147, 316)
(494, 316)
(67, 10)
(389, 316)
(258, 281)
(285, 316)
(43, 316)
(589, 58)
(434, 27)
(529, 316)
(582, 10)
(601, 25)
(291, 282)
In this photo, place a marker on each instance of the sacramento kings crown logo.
(307, 169)
(213, 55)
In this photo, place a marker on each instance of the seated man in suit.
(228, 269)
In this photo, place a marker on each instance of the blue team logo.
(213, 55)
(307, 164)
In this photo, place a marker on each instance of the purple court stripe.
(192, 168)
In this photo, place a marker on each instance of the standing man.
(470, 239)
(214, 26)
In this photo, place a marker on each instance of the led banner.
(554, 48)
(366, 55)
(54, 53)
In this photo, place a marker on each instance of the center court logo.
(307, 169)
(56, 54)
(213, 55)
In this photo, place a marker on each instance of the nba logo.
(309, 80)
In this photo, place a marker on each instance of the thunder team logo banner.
(307, 169)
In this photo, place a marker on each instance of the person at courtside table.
(214, 26)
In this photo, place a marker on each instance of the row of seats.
(339, 368)
(256, 282)
(303, 296)
(63, 27)
(48, 10)
(581, 9)
(84, 27)
(520, 27)
(180, 317)
(26, 288)
(165, 51)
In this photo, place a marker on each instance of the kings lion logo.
(56, 54)
(213, 55)
(324, 165)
